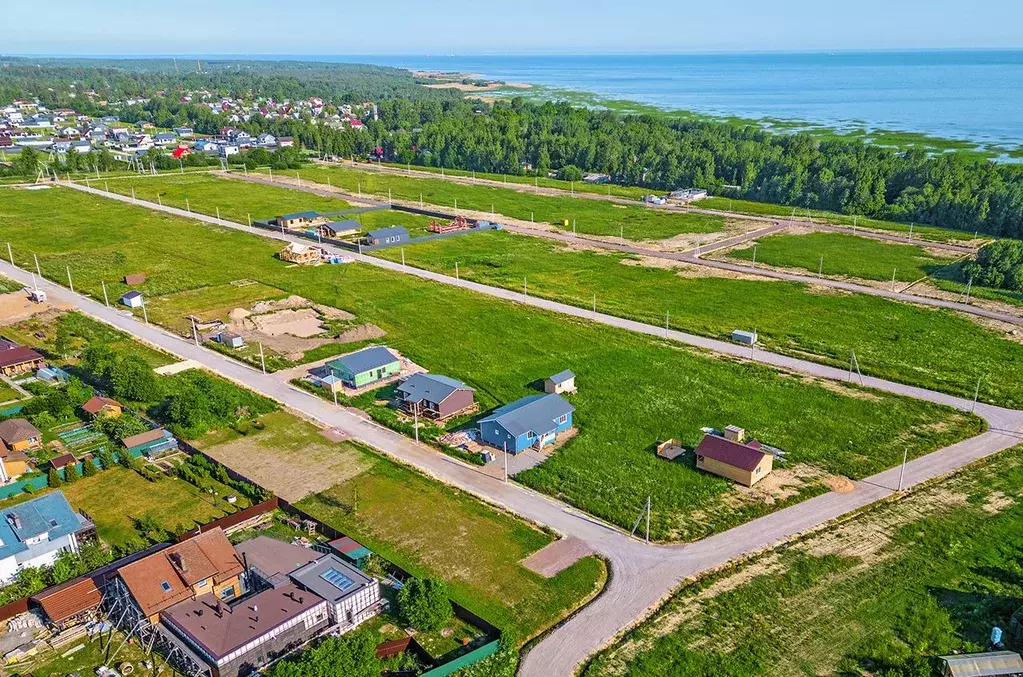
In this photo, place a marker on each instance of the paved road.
(643, 575)
(695, 256)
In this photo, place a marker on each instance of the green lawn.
(8, 394)
(595, 217)
(93, 654)
(767, 209)
(916, 345)
(838, 254)
(205, 193)
(634, 390)
(928, 575)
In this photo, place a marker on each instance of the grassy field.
(841, 255)
(8, 394)
(928, 575)
(93, 654)
(502, 350)
(767, 209)
(610, 189)
(417, 523)
(595, 217)
(114, 498)
(237, 201)
(921, 346)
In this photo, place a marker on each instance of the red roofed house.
(102, 406)
(15, 359)
(730, 456)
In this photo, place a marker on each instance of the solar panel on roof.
(337, 579)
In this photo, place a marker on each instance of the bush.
(351, 655)
(89, 468)
(998, 265)
(423, 604)
(570, 173)
(132, 378)
(106, 458)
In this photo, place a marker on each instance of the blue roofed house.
(364, 367)
(534, 421)
(34, 533)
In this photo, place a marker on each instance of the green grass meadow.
(634, 390)
(842, 255)
(593, 217)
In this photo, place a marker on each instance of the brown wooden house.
(435, 396)
(731, 457)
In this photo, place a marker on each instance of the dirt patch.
(291, 474)
(689, 270)
(556, 557)
(781, 483)
(15, 307)
(363, 332)
(997, 502)
(838, 484)
(303, 323)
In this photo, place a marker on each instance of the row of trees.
(31, 580)
(998, 265)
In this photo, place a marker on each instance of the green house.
(364, 367)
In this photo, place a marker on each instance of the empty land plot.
(210, 303)
(288, 456)
(594, 217)
(931, 574)
(929, 347)
(605, 189)
(237, 200)
(501, 349)
(841, 255)
(935, 233)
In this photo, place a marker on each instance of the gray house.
(434, 396)
(387, 236)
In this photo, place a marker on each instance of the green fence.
(485, 651)
(41, 482)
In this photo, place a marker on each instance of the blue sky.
(355, 27)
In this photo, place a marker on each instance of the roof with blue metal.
(47, 514)
(364, 360)
(386, 232)
(331, 578)
(536, 413)
(563, 376)
(132, 295)
(431, 387)
(299, 215)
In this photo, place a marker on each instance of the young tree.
(351, 655)
(106, 458)
(423, 604)
(89, 467)
(71, 473)
(53, 478)
(63, 341)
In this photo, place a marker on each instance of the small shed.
(990, 664)
(135, 279)
(132, 299)
(742, 336)
(562, 382)
(351, 551)
(102, 406)
(230, 339)
(732, 459)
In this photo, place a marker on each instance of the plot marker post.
(69, 284)
(976, 396)
(37, 265)
(145, 314)
(262, 358)
(457, 278)
(902, 471)
(893, 278)
(106, 300)
(10, 254)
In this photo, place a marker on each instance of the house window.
(202, 583)
(562, 419)
(227, 593)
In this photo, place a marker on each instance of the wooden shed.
(741, 462)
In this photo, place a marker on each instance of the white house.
(34, 533)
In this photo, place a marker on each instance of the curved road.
(643, 575)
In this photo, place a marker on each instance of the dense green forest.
(440, 128)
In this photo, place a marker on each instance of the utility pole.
(594, 306)
(106, 301)
(195, 332)
(506, 463)
(754, 256)
(415, 423)
(334, 390)
(667, 317)
(145, 315)
(969, 287)
(648, 520)
(10, 254)
(902, 471)
(37, 265)
(69, 284)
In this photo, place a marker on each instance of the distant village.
(28, 123)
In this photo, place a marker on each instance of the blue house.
(534, 421)
(387, 236)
